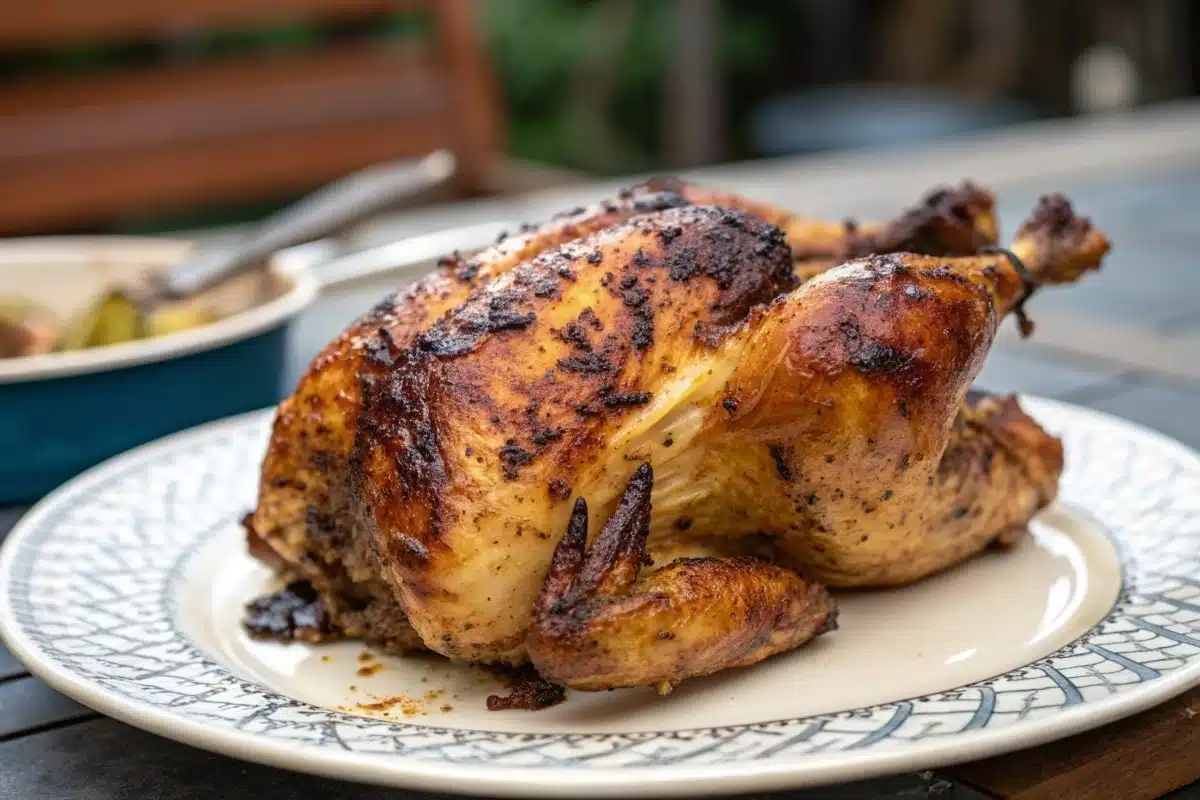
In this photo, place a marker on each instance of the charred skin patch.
(513, 456)
(622, 399)
(560, 489)
(574, 334)
(874, 357)
(635, 298)
(943, 224)
(735, 239)
(397, 469)
(891, 343)
(781, 455)
(294, 613)
(589, 318)
(589, 364)
(464, 328)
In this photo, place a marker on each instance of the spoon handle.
(328, 210)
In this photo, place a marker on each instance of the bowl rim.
(303, 290)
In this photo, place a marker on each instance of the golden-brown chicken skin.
(301, 525)
(467, 457)
(829, 421)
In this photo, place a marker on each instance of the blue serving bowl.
(62, 413)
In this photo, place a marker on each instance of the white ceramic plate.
(124, 590)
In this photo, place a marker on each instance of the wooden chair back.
(80, 151)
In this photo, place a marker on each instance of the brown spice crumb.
(447, 708)
(368, 671)
(365, 656)
(560, 489)
(326, 659)
(408, 706)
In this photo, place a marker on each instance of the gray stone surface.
(1020, 369)
(1184, 325)
(1173, 409)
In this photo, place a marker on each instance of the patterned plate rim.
(756, 766)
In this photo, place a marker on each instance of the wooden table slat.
(29, 704)
(1139, 758)
(9, 666)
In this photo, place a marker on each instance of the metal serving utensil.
(184, 295)
(329, 210)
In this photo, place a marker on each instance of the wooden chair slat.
(52, 193)
(42, 22)
(145, 108)
(82, 151)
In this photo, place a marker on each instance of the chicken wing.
(598, 625)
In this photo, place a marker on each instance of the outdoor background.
(626, 86)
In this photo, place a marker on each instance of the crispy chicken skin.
(466, 459)
(301, 523)
(829, 418)
(302, 526)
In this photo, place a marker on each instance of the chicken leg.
(848, 448)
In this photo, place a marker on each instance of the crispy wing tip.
(1066, 244)
(615, 558)
(566, 561)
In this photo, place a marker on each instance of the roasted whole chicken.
(636, 444)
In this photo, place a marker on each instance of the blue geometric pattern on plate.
(92, 589)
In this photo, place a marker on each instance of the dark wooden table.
(1127, 341)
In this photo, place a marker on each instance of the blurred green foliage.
(540, 46)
